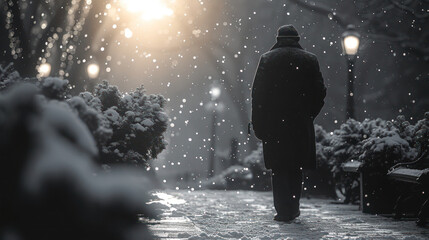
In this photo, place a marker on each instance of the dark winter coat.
(287, 94)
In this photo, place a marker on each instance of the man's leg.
(277, 181)
(295, 185)
(287, 187)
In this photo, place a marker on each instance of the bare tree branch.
(408, 9)
(374, 27)
(323, 10)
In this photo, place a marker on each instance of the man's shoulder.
(289, 51)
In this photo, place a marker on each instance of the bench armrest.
(351, 166)
(418, 159)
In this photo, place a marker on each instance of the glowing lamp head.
(215, 92)
(44, 70)
(351, 45)
(93, 70)
(350, 41)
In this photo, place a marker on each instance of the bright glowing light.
(128, 33)
(351, 45)
(44, 69)
(93, 70)
(148, 9)
(215, 92)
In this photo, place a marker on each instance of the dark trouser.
(287, 185)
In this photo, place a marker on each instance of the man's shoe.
(285, 218)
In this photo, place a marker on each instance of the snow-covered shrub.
(320, 182)
(127, 127)
(249, 174)
(416, 135)
(337, 147)
(378, 144)
(421, 134)
(355, 141)
(8, 76)
(384, 148)
(323, 152)
(50, 187)
(261, 177)
(346, 143)
(94, 120)
(232, 178)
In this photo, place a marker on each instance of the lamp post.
(93, 71)
(350, 43)
(214, 106)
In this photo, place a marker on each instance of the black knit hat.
(288, 31)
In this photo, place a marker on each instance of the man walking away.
(287, 94)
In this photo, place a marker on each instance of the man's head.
(288, 31)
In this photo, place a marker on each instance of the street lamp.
(350, 43)
(44, 70)
(93, 70)
(215, 92)
(214, 106)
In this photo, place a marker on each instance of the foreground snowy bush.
(51, 188)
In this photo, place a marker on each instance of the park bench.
(416, 173)
(376, 194)
(355, 167)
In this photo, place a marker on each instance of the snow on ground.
(248, 215)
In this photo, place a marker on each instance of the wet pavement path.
(248, 215)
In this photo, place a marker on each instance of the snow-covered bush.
(378, 144)
(346, 143)
(337, 147)
(50, 87)
(323, 152)
(320, 182)
(232, 178)
(416, 135)
(127, 127)
(384, 148)
(421, 134)
(261, 177)
(250, 174)
(51, 188)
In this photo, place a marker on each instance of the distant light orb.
(93, 70)
(215, 92)
(128, 33)
(148, 9)
(44, 24)
(44, 69)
